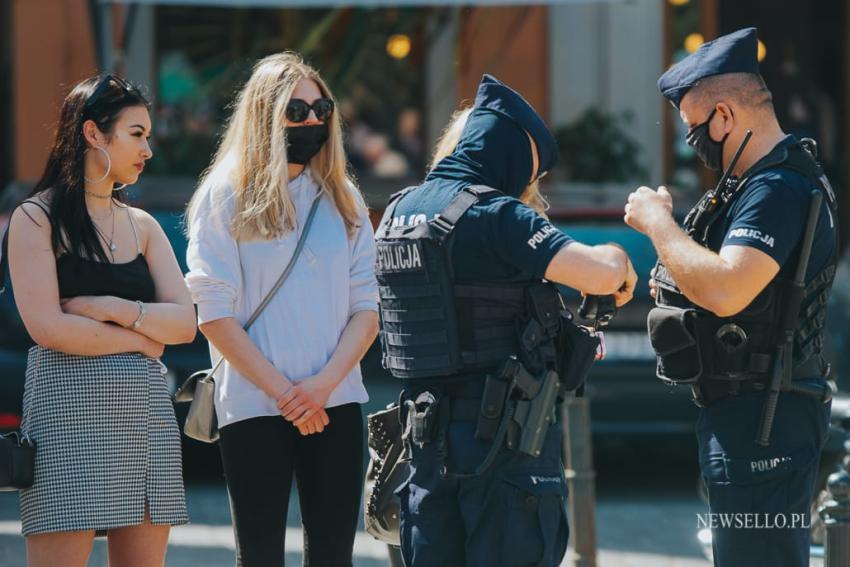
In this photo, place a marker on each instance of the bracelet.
(142, 312)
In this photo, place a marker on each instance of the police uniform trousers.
(760, 497)
(513, 514)
(107, 444)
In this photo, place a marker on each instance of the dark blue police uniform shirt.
(771, 216)
(498, 240)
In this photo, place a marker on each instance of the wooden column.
(53, 49)
(510, 43)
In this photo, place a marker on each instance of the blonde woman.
(447, 142)
(288, 395)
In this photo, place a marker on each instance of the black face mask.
(304, 142)
(709, 151)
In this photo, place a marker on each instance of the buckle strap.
(389, 211)
(444, 223)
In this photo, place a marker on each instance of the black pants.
(259, 457)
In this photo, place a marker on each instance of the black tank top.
(82, 276)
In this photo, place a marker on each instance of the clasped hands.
(303, 404)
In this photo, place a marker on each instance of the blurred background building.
(400, 67)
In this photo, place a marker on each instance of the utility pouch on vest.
(539, 335)
(675, 339)
(544, 306)
(576, 348)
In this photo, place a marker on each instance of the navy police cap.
(736, 52)
(498, 97)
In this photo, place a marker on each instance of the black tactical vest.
(693, 345)
(433, 326)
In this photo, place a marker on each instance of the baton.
(783, 363)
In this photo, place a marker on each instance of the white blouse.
(299, 330)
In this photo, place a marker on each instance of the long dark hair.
(72, 229)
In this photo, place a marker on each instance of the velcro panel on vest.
(488, 318)
(418, 323)
(809, 336)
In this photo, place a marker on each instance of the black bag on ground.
(385, 474)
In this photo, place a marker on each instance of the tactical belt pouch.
(576, 348)
(422, 417)
(492, 405)
(674, 337)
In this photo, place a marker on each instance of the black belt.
(466, 389)
(713, 389)
(465, 409)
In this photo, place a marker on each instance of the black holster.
(421, 418)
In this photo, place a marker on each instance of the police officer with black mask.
(472, 325)
(741, 292)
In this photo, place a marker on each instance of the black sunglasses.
(298, 109)
(101, 88)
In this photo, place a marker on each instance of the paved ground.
(646, 529)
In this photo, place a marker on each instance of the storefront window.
(371, 58)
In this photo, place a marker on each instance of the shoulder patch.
(538, 237)
(752, 234)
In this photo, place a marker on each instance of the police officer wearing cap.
(741, 291)
(472, 325)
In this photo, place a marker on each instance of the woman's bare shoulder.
(36, 208)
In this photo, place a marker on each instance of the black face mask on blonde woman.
(304, 142)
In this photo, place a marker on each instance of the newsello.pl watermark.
(754, 521)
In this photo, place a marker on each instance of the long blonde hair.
(449, 139)
(252, 155)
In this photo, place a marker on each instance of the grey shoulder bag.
(199, 388)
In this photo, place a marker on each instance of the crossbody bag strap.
(286, 271)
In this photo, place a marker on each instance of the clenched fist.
(646, 208)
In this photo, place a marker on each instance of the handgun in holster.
(531, 416)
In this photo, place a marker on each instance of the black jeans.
(259, 457)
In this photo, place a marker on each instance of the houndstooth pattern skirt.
(107, 443)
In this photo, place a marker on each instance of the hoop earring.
(108, 166)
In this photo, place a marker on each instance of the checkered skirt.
(107, 443)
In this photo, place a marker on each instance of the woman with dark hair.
(100, 292)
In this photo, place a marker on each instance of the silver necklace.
(96, 196)
(111, 241)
